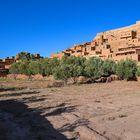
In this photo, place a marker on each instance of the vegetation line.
(73, 67)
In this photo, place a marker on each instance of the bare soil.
(107, 111)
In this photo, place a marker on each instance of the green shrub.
(126, 69)
(49, 66)
(94, 68)
(34, 67)
(109, 67)
(14, 69)
(20, 68)
(70, 67)
(62, 72)
(26, 56)
(138, 71)
(24, 67)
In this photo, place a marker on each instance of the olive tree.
(109, 67)
(126, 69)
(14, 68)
(94, 68)
(70, 67)
(34, 68)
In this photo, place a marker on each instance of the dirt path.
(86, 112)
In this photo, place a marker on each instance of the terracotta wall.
(122, 39)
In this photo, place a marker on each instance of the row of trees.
(72, 67)
(28, 56)
(32, 67)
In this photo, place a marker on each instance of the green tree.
(109, 67)
(26, 56)
(14, 69)
(70, 67)
(23, 56)
(126, 69)
(49, 65)
(94, 68)
(24, 67)
(138, 71)
(34, 67)
(62, 72)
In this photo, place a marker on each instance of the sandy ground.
(108, 111)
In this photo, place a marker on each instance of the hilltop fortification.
(115, 44)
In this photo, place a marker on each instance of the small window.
(92, 48)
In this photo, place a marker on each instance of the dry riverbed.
(108, 111)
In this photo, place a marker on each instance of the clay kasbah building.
(115, 44)
(6, 63)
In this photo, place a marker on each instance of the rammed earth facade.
(115, 44)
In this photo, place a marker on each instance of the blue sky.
(48, 26)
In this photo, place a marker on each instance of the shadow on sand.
(2, 89)
(19, 122)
